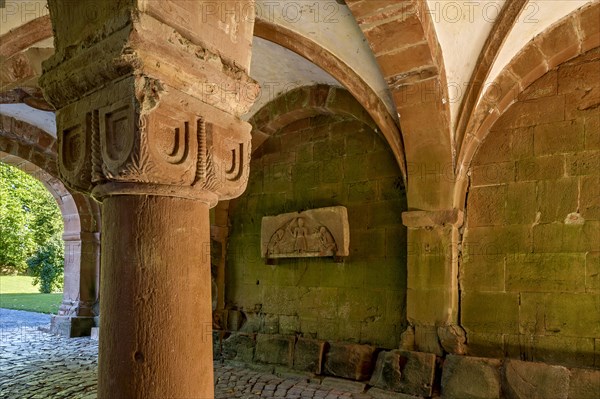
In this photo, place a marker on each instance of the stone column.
(149, 96)
(76, 313)
(432, 295)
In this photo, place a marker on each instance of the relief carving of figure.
(299, 233)
(301, 237)
(327, 242)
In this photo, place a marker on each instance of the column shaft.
(155, 335)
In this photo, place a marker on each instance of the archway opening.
(31, 241)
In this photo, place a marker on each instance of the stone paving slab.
(35, 364)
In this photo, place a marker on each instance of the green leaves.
(29, 220)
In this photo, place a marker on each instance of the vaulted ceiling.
(331, 42)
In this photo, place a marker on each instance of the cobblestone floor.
(34, 364)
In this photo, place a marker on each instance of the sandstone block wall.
(313, 163)
(530, 273)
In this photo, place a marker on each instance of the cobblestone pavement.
(17, 318)
(34, 364)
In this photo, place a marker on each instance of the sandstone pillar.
(149, 95)
(432, 295)
(75, 316)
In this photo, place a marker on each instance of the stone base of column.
(71, 326)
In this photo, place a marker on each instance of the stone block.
(382, 164)
(362, 192)
(583, 163)
(341, 385)
(558, 137)
(556, 349)
(427, 307)
(571, 314)
(577, 77)
(482, 273)
(239, 347)
(490, 312)
(486, 345)
(471, 378)
(274, 349)
(531, 112)
(584, 384)
(592, 269)
(559, 237)
(495, 148)
(270, 324)
(351, 361)
(546, 86)
(404, 371)
(556, 199)
(387, 373)
(526, 380)
(309, 355)
(289, 325)
(493, 174)
(540, 168)
(521, 203)
(493, 242)
(592, 132)
(386, 213)
(71, 327)
(486, 206)
(551, 272)
(589, 201)
(378, 393)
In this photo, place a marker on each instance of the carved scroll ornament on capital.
(169, 146)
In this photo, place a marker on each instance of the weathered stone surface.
(350, 361)
(453, 339)
(239, 347)
(339, 384)
(387, 371)
(526, 380)
(378, 393)
(309, 354)
(422, 219)
(471, 378)
(274, 349)
(417, 373)
(312, 233)
(406, 372)
(584, 384)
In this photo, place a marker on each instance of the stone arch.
(305, 102)
(532, 224)
(295, 105)
(353, 82)
(34, 151)
(570, 37)
(403, 39)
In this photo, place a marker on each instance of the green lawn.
(17, 292)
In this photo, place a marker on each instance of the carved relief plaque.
(314, 233)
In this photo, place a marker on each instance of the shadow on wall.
(312, 163)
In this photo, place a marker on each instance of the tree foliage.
(30, 223)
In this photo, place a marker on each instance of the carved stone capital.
(149, 97)
(140, 136)
(150, 39)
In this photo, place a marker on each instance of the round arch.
(34, 151)
(567, 39)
